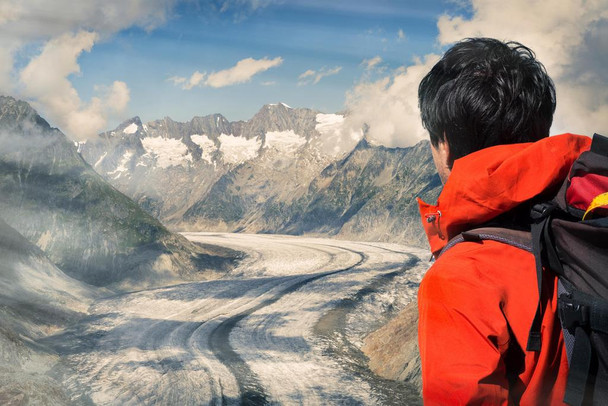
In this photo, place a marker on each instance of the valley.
(273, 331)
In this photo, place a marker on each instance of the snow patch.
(167, 151)
(122, 166)
(236, 150)
(79, 145)
(285, 141)
(207, 145)
(100, 160)
(44, 240)
(130, 129)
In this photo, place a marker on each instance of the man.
(488, 107)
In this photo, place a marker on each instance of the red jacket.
(477, 301)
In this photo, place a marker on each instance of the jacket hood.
(495, 180)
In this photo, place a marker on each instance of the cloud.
(195, 80)
(117, 97)
(241, 9)
(372, 62)
(45, 83)
(242, 72)
(314, 77)
(401, 35)
(65, 29)
(27, 20)
(569, 38)
(389, 106)
(307, 74)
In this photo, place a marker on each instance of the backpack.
(569, 237)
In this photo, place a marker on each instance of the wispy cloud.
(314, 77)
(241, 9)
(372, 62)
(242, 72)
(309, 73)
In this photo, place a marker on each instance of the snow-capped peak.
(131, 129)
(280, 104)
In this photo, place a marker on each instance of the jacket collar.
(492, 181)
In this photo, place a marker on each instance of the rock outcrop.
(393, 349)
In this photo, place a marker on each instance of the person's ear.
(443, 159)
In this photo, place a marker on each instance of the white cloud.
(118, 96)
(195, 80)
(242, 72)
(314, 77)
(389, 106)
(45, 82)
(372, 62)
(307, 74)
(568, 37)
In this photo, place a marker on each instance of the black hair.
(486, 92)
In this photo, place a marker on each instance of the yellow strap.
(598, 201)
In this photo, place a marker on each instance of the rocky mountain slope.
(286, 170)
(36, 299)
(91, 231)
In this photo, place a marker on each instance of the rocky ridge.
(286, 170)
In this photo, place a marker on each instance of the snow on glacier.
(284, 141)
(168, 151)
(130, 129)
(206, 144)
(237, 150)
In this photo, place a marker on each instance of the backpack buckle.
(541, 211)
(572, 313)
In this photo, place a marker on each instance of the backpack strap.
(583, 317)
(543, 253)
(517, 238)
(527, 241)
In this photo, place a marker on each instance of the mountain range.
(286, 170)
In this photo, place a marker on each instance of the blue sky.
(307, 36)
(87, 65)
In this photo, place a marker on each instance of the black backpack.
(569, 236)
